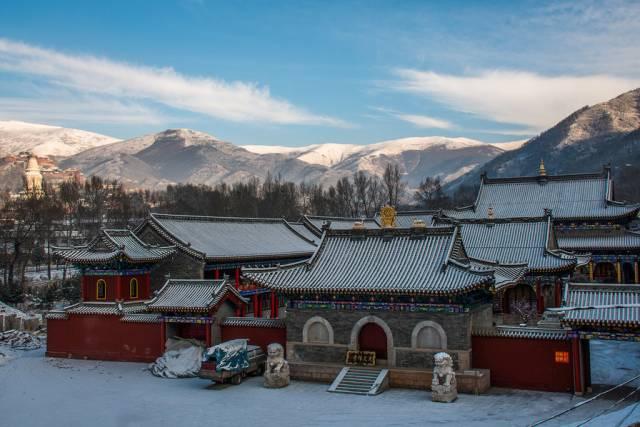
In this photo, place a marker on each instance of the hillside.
(188, 156)
(608, 132)
(44, 140)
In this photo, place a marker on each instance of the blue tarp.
(229, 355)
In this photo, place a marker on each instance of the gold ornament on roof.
(542, 171)
(388, 216)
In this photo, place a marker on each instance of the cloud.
(514, 97)
(425, 121)
(233, 101)
(80, 109)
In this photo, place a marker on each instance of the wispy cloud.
(523, 98)
(418, 120)
(425, 121)
(234, 101)
(79, 109)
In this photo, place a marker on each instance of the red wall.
(256, 335)
(104, 338)
(524, 363)
(89, 287)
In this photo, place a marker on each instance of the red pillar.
(274, 305)
(83, 285)
(539, 298)
(558, 293)
(163, 335)
(256, 305)
(237, 278)
(207, 331)
(118, 288)
(216, 274)
(577, 365)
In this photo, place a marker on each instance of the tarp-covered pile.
(182, 359)
(229, 355)
(20, 340)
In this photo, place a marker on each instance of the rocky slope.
(608, 132)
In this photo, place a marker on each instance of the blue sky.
(298, 73)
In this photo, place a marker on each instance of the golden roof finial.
(542, 171)
(388, 217)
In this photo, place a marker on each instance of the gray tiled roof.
(336, 222)
(305, 231)
(601, 239)
(602, 305)
(106, 308)
(515, 242)
(261, 322)
(111, 245)
(191, 295)
(522, 332)
(584, 196)
(504, 275)
(141, 318)
(390, 261)
(223, 239)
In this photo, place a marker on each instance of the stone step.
(360, 381)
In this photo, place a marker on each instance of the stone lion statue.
(276, 373)
(443, 383)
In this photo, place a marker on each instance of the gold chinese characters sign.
(362, 358)
(387, 216)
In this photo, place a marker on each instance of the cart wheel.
(236, 379)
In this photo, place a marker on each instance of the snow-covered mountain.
(608, 132)
(45, 140)
(184, 155)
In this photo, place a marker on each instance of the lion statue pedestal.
(443, 384)
(276, 373)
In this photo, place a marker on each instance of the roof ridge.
(208, 218)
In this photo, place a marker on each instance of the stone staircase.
(363, 381)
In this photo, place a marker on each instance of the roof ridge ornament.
(541, 170)
(388, 216)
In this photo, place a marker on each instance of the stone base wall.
(475, 381)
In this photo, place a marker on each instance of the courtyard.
(40, 391)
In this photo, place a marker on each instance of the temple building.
(403, 294)
(212, 247)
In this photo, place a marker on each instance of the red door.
(373, 338)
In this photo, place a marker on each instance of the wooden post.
(591, 271)
(558, 293)
(635, 272)
(216, 274)
(237, 277)
(619, 271)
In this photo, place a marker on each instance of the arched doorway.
(373, 338)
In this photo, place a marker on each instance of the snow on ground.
(603, 353)
(39, 391)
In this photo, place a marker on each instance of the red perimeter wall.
(524, 363)
(103, 338)
(256, 335)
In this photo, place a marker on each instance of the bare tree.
(393, 184)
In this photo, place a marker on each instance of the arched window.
(101, 289)
(429, 334)
(133, 288)
(317, 330)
